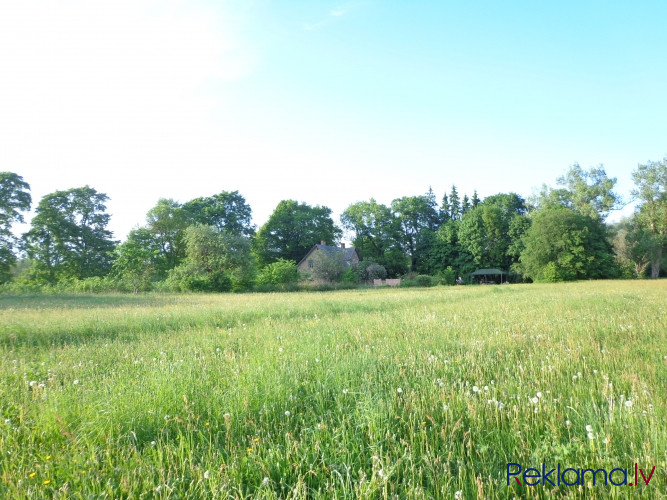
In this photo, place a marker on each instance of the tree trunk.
(655, 264)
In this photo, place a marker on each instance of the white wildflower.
(458, 495)
(207, 474)
(628, 403)
(287, 413)
(265, 482)
(539, 395)
(589, 428)
(475, 388)
(76, 381)
(568, 423)
(399, 390)
(591, 435)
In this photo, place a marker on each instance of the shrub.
(281, 272)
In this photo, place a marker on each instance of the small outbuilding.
(489, 276)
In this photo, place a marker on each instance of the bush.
(282, 272)
(369, 270)
(446, 277)
(424, 280)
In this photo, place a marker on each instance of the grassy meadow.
(379, 393)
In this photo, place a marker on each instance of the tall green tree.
(139, 260)
(69, 237)
(166, 222)
(228, 211)
(489, 231)
(412, 213)
(292, 229)
(589, 192)
(563, 245)
(651, 190)
(216, 261)
(454, 204)
(376, 235)
(14, 199)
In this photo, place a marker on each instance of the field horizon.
(368, 393)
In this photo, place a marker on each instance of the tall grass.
(411, 393)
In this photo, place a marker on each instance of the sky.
(323, 102)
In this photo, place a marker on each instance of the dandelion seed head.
(591, 435)
(287, 413)
(589, 428)
(628, 403)
(399, 390)
(207, 474)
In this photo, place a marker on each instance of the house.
(350, 256)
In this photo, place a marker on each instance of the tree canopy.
(14, 200)
(292, 229)
(68, 238)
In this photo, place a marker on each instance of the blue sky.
(324, 102)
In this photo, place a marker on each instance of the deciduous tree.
(292, 229)
(69, 237)
(14, 199)
(651, 189)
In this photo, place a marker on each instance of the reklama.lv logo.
(575, 477)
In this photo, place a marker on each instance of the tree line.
(211, 244)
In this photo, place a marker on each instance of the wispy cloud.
(333, 16)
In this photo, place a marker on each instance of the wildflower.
(48, 457)
(539, 395)
(153, 443)
(399, 390)
(265, 482)
(226, 416)
(287, 413)
(475, 388)
(47, 481)
(255, 440)
(344, 391)
(280, 349)
(76, 381)
(458, 495)
(445, 407)
(207, 474)
(32, 474)
(591, 435)
(589, 428)
(32, 383)
(381, 474)
(628, 403)
(534, 400)
(8, 421)
(568, 423)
